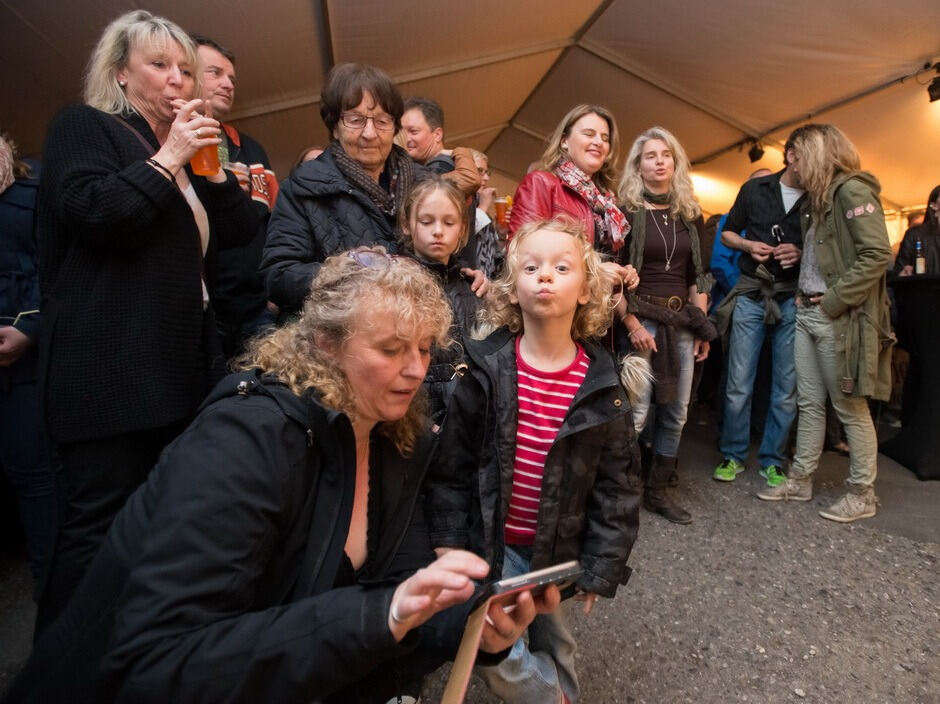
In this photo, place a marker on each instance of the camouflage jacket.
(590, 485)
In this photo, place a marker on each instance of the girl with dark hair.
(928, 235)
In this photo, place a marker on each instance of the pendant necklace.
(669, 254)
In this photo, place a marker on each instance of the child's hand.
(479, 283)
(588, 598)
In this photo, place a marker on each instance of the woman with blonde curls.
(278, 550)
(843, 328)
(666, 320)
(576, 177)
(537, 463)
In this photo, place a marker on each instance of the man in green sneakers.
(761, 306)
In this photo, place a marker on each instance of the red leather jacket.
(542, 195)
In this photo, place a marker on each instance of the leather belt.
(674, 303)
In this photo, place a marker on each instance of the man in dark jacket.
(763, 302)
(239, 298)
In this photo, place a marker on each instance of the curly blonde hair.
(421, 190)
(590, 320)
(606, 176)
(824, 153)
(681, 193)
(346, 297)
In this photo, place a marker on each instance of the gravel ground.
(767, 602)
(752, 602)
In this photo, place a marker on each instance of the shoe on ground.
(790, 490)
(773, 474)
(851, 507)
(728, 470)
(658, 501)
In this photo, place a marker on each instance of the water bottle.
(920, 262)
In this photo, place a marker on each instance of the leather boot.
(656, 499)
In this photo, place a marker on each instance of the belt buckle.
(674, 303)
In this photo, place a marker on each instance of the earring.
(122, 83)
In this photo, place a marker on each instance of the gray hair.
(128, 32)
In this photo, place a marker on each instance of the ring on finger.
(199, 132)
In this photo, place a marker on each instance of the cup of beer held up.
(502, 206)
(205, 161)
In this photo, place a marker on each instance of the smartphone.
(563, 575)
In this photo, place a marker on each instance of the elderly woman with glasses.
(278, 551)
(351, 194)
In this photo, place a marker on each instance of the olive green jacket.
(853, 253)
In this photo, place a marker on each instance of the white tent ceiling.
(716, 74)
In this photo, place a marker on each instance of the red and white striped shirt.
(544, 399)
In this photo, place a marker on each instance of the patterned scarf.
(401, 169)
(610, 225)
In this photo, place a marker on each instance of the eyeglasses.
(378, 260)
(483, 172)
(357, 121)
(370, 259)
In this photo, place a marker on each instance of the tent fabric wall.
(716, 74)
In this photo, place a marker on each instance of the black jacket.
(239, 293)
(317, 214)
(591, 483)
(216, 580)
(757, 208)
(19, 278)
(120, 262)
(464, 304)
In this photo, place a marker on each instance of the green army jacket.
(853, 254)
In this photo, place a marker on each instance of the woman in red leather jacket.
(576, 176)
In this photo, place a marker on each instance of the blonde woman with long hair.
(576, 177)
(842, 297)
(665, 321)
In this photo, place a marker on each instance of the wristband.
(157, 165)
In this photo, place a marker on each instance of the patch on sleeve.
(866, 208)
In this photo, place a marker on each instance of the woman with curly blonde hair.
(665, 321)
(537, 462)
(279, 544)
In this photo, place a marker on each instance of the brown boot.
(655, 496)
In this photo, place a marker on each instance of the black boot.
(656, 499)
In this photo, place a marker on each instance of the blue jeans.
(747, 337)
(539, 672)
(670, 417)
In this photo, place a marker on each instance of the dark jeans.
(24, 458)
(96, 478)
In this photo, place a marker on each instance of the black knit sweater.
(122, 346)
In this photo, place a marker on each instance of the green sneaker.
(728, 470)
(773, 475)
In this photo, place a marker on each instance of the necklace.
(669, 254)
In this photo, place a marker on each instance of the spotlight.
(933, 90)
(755, 153)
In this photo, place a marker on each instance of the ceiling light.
(755, 153)
(933, 90)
